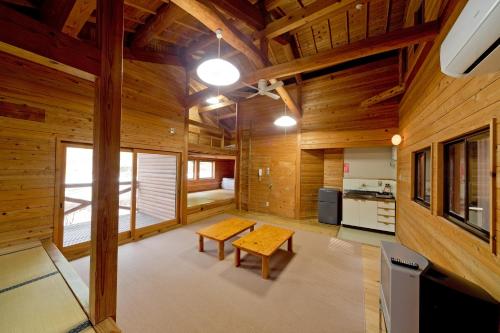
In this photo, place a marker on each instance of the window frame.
(450, 216)
(213, 170)
(415, 198)
(194, 170)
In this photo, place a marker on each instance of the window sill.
(464, 226)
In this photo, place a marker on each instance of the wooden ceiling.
(259, 34)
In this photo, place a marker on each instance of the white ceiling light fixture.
(213, 100)
(217, 71)
(285, 121)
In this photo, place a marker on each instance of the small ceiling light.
(217, 71)
(285, 121)
(359, 6)
(213, 100)
(396, 139)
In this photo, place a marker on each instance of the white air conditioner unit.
(472, 45)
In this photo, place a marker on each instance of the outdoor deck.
(80, 232)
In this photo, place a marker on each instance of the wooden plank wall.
(152, 103)
(332, 118)
(332, 115)
(223, 169)
(268, 147)
(435, 109)
(334, 168)
(311, 180)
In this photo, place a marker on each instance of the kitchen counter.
(368, 197)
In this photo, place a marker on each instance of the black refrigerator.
(330, 206)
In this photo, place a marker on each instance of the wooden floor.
(371, 261)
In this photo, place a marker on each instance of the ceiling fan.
(264, 89)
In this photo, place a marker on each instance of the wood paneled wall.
(223, 169)
(333, 168)
(435, 109)
(333, 117)
(268, 147)
(152, 103)
(311, 180)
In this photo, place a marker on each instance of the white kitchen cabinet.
(350, 212)
(369, 214)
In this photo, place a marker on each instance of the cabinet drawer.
(386, 219)
(386, 211)
(386, 204)
(386, 226)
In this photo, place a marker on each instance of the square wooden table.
(263, 242)
(222, 231)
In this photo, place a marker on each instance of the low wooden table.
(223, 231)
(263, 242)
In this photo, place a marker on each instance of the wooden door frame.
(80, 249)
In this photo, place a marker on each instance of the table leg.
(290, 245)
(237, 257)
(200, 244)
(265, 267)
(251, 228)
(221, 250)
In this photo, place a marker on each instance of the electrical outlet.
(267, 203)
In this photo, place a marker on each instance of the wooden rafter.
(215, 106)
(69, 16)
(166, 16)
(213, 19)
(300, 17)
(34, 39)
(363, 48)
(242, 10)
(383, 96)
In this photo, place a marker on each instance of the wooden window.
(191, 170)
(422, 177)
(206, 170)
(467, 183)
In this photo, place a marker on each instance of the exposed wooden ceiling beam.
(31, 39)
(303, 16)
(22, 3)
(213, 19)
(242, 10)
(227, 116)
(363, 48)
(79, 14)
(215, 106)
(205, 13)
(383, 96)
(373, 45)
(166, 16)
(273, 4)
(152, 57)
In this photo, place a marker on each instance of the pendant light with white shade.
(285, 120)
(217, 71)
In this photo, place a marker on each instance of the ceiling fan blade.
(273, 96)
(252, 95)
(250, 86)
(274, 85)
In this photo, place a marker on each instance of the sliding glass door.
(156, 190)
(148, 199)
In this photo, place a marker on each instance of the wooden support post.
(106, 167)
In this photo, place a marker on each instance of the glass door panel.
(156, 189)
(77, 192)
(77, 196)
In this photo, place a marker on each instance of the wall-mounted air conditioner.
(472, 45)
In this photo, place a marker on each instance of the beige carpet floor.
(166, 285)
